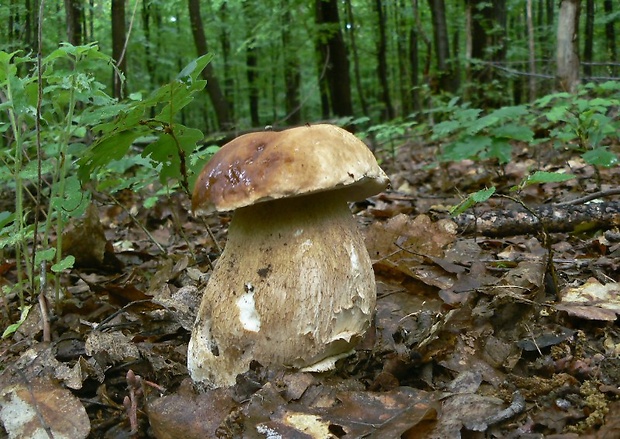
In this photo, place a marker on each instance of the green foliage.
(169, 142)
(584, 122)
(473, 199)
(48, 157)
(474, 135)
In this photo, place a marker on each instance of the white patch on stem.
(248, 316)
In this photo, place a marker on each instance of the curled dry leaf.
(42, 408)
(592, 301)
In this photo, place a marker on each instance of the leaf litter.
(471, 337)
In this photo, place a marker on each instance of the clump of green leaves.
(48, 154)
(170, 147)
(584, 122)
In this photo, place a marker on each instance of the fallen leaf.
(42, 408)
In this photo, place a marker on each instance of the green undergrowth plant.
(586, 122)
(64, 136)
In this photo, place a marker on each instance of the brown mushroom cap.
(270, 165)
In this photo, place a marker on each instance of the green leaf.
(466, 149)
(45, 255)
(473, 199)
(64, 264)
(110, 148)
(513, 131)
(600, 157)
(499, 149)
(10, 330)
(195, 67)
(540, 177)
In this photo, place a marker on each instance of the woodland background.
(288, 62)
(496, 249)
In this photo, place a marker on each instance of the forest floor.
(474, 336)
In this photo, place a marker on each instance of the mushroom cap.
(270, 165)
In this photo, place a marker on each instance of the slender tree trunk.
(229, 81)
(610, 36)
(382, 70)
(487, 22)
(589, 39)
(222, 112)
(567, 56)
(414, 55)
(337, 59)
(118, 45)
(74, 16)
(532, 53)
(292, 71)
(445, 77)
(251, 65)
(148, 56)
(356, 62)
(404, 28)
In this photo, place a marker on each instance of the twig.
(138, 223)
(590, 197)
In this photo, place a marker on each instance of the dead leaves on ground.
(468, 339)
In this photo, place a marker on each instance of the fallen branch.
(557, 219)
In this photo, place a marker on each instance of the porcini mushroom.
(294, 285)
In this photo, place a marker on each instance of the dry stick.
(45, 323)
(138, 223)
(590, 197)
(549, 265)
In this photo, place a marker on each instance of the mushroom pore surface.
(294, 286)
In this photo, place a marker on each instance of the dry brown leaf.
(42, 408)
(592, 301)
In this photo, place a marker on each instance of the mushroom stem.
(294, 286)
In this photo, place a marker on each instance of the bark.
(445, 77)
(567, 56)
(229, 82)
(148, 56)
(74, 16)
(557, 219)
(382, 69)
(251, 66)
(589, 39)
(361, 95)
(334, 52)
(220, 105)
(118, 45)
(610, 36)
(487, 21)
(292, 71)
(532, 52)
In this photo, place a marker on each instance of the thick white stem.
(294, 286)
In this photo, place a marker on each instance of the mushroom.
(294, 285)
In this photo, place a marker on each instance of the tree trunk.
(610, 36)
(118, 45)
(220, 105)
(356, 62)
(532, 51)
(589, 39)
(148, 56)
(74, 16)
(487, 22)
(292, 71)
(251, 64)
(382, 71)
(229, 81)
(335, 56)
(568, 46)
(445, 77)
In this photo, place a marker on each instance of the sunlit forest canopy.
(287, 62)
